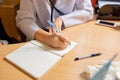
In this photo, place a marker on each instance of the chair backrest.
(7, 15)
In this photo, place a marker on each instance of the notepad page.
(33, 59)
(55, 51)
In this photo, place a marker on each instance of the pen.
(53, 26)
(91, 55)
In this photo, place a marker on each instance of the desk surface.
(90, 38)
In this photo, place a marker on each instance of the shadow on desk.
(84, 75)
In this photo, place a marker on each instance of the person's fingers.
(61, 45)
(58, 26)
(57, 42)
(51, 30)
(61, 37)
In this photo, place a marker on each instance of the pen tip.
(76, 59)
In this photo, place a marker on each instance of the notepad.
(36, 58)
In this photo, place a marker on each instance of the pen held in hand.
(53, 26)
(83, 57)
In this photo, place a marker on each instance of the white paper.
(57, 52)
(35, 59)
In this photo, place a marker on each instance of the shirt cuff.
(4, 42)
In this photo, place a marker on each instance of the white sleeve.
(25, 18)
(4, 42)
(82, 13)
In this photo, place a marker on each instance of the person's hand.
(57, 41)
(54, 40)
(58, 24)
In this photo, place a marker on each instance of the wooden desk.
(90, 38)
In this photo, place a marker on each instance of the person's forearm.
(76, 17)
(41, 35)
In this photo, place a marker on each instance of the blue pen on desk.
(53, 26)
(91, 55)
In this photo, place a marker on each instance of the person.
(32, 19)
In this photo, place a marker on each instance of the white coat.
(33, 14)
